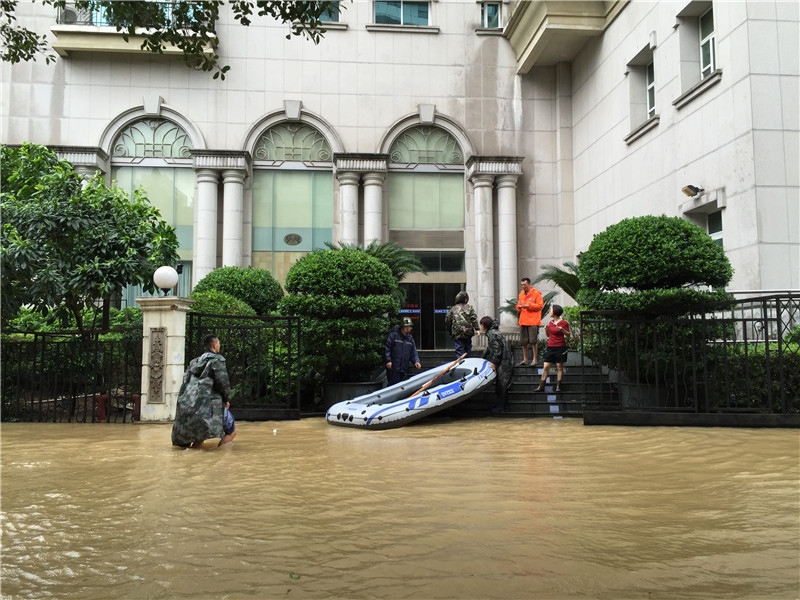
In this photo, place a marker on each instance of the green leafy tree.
(188, 26)
(343, 297)
(66, 247)
(256, 287)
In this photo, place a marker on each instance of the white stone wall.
(739, 138)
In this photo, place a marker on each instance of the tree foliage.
(343, 297)
(567, 279)
(66, 247)
(188, 26)
(256, 287)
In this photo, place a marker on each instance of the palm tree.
(567, 279)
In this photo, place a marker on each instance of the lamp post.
(165, 278)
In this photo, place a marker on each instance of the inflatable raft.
(421, 395)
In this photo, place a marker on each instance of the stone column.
(373, 207)
(484, 244)
(233, 198)
(507, 244)
(348, 207)
(163, 348)
(205, 225)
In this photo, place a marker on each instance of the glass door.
(427, 305)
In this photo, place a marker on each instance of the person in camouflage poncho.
(498, 352)
(205, 390)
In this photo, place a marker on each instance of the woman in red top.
(557, 331)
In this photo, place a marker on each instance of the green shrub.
(256, 287)
(793, 337)
(342, 297)
(656, 301)
(652, 252)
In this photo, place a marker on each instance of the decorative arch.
(441, 122)
(305, 125)
(134, 119)
(426, 144)
(292, 140)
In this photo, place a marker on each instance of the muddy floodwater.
(484, 509)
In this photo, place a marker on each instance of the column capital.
(348, 177)
(494, 165)
(374, 178)
(220, 159)
(234, 176)
(480, 180)
(207, 175)
(507, 180)
(360, 162)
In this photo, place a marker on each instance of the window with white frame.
(714, 226)
(402, 12)
(641, 72)
(708, 60)
(490, 15)
(650, 83)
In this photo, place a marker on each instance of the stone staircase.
(579, 381)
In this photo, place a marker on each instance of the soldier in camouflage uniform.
(203, 395)
(462, 323)
(498, 352)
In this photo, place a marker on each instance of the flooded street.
(487, 508)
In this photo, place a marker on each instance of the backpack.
(462, 327)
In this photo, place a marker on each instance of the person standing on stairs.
(557, 331)
(529, 306)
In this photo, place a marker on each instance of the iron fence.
(68, 377)
(263, 359)
(741, 356)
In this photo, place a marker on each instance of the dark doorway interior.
(427, 305)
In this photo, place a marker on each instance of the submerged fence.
(68, 377)
(741, 356)
(263, 359)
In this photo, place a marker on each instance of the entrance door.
(427, 304)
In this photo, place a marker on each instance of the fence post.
(163, 348)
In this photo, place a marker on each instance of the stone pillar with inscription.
(163, 355)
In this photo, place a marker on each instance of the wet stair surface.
(578, 382)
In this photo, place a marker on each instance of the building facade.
(490, 138)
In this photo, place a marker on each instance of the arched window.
(292, 195)
(153, 154)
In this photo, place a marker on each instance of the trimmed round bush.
(256, 287)
(645, 253)
(342, 297)
(219, 303)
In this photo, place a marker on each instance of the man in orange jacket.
(529, 305)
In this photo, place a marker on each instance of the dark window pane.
(452, 262)
(331, 14)
(415, 13)
(387, 12)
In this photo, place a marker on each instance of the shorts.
(228, 424)
(528, 334)
(555, 354)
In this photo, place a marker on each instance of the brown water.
(489, 508)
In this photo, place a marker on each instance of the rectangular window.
(708, 60)
(650, 82)
(401, 13)
(331, 14)
(426, 201)
(714, 225)
(490, 15)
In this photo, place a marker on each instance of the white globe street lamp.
(165, 278)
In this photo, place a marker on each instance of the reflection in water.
(488, 508)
